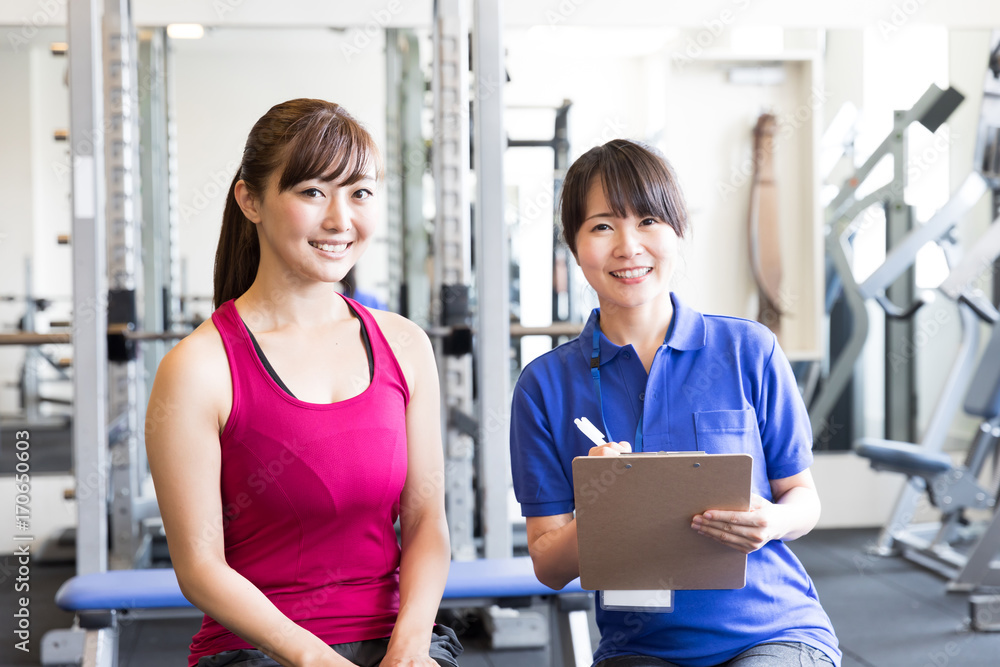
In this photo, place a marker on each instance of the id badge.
(659, 601)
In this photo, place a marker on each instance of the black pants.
(445, 649)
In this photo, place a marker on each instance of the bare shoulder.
(410, 345)
(201, 353)
(195, 375)
(408, 341)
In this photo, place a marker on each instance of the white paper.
(659, 600)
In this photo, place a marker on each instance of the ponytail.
(238, 253)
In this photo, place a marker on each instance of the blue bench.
(97, 598)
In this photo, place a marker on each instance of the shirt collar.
(689, 327)
(687, 332)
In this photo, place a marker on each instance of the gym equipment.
(844, 211)
(35, 361)
(987, 155)
(951, 488)
(103, 601)
(956, 488)
(971, 307)
(453, 267)
(492, 249)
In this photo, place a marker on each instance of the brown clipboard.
(633, 519)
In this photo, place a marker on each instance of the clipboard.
(633, 519)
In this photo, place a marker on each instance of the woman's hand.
(408, 661)
(744, 531)
(611, 449)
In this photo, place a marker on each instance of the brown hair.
(636, 178)
(304, 139)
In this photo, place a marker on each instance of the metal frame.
(406, 160)
(126, 382)
(90, 454)
(89, 285)
(452, 261)
(492, 281)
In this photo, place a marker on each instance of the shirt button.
(642, 395)
(628, 355)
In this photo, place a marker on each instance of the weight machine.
(957, 488)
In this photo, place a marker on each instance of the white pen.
(590, 431)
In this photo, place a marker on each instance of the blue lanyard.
(595, 373)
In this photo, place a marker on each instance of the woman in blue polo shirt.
(670, 378)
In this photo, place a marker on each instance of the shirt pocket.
(728, 432)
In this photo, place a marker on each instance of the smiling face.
(628, 259)
(314, 230)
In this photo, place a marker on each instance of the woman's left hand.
(408, 661)
(743, 531)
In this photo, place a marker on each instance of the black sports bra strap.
(367, 341)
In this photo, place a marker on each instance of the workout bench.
(953, 489)
(101, 600)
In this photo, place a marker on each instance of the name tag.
(658, 601)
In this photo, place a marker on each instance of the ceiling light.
(185, 31)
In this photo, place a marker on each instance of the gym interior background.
(887, 181)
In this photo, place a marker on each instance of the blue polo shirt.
(719, 385)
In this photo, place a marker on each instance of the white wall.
(16, 216)
(34, 186)
(222, 85)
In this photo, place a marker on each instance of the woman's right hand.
(611, 449)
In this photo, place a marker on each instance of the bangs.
(329, 147)
(634, 183)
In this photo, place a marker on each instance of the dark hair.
(636, 179)
(304, 139)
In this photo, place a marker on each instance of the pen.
(590, 431)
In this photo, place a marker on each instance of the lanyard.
(595, 373)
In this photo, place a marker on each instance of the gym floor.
(887, 612)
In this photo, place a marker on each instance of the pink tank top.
(310, 493)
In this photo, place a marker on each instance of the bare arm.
(553, 548)
(182, 442)
(793, 513)
(552, 542)
(423, 568)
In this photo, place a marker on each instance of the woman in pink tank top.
(295, 427)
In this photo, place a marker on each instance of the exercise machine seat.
(902, 457)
